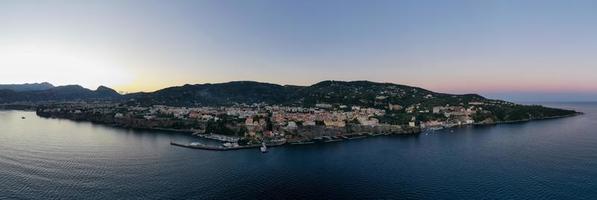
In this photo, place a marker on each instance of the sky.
(514, 50)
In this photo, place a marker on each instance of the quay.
(221, 138)
(323, 139)
(222, 148)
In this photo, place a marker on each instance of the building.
(291, 125)
(394, 107)
(437, 109)
(412, 122)
(323, 105)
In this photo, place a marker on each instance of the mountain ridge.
(27, 86)
(58, 93)
(359, 92)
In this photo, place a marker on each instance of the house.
(368, 121)
(394, 107)
(249, 121)
(437, 109)
(380, 98)
(410, 109)
(309, 123)
(476, 103)
(412, 122)
(333, 123)
(194, 114)
(291, 125)
(323, 105)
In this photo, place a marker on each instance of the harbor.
(196, 145)
(228, 145)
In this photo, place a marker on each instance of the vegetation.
(522, 112)
(225, 125)
(340, 95)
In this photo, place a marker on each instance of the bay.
(60, 159)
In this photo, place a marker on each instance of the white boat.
(263, 148)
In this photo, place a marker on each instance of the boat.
(22, 117)
(356, 137)
(328, 139)
(263, 148)
(303, 142)
(229, 145)
(318, 139)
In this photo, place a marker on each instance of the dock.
(321, 139)
(222, 148)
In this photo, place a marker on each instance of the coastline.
(350, 136)
(114, 125)
(17, 107)
(361, 136)
(530, 120)
(411, 131)
(480, 124)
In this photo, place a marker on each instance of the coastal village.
(250, 125)
(248, 114)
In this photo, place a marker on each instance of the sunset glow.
(461, 47)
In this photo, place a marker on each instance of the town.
(244, 125)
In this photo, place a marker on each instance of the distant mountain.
(60, 93)
(106, 92)
(27, 87)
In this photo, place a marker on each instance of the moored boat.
(263, 148)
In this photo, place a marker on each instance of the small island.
(246, 114)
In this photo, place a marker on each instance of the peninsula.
(246, 114)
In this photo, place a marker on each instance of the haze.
(521, 50)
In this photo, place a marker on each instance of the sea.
(43, 158)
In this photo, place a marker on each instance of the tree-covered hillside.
(402, 102)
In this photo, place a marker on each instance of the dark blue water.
(60, 159)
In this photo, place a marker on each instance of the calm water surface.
(60, 159)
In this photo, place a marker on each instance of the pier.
(222, 148)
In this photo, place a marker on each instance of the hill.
(238, 92)
(26, 87)
(349, 93)
(60, 93)
(402, 102)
